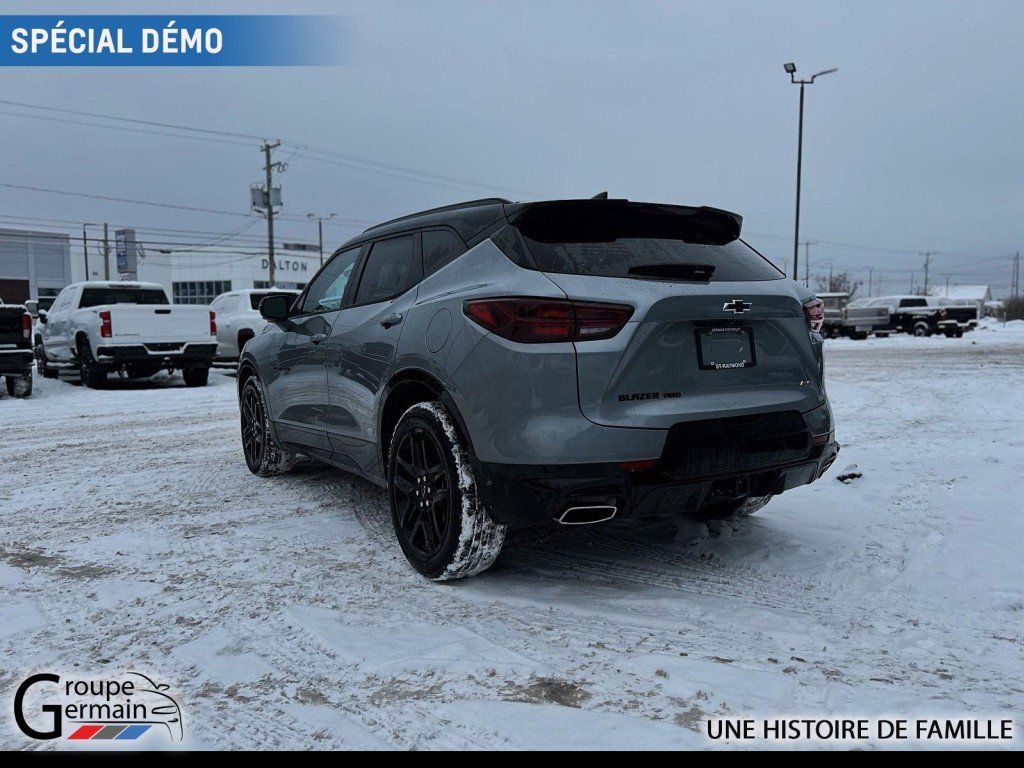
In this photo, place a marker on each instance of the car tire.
(43, 365)
(441, 525)
(244, 337)
(922, 329)
(20, 386)
(196, 377)
(263, 456)
(92, 375)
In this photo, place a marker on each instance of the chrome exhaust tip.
(587, 514)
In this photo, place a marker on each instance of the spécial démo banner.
(192, 40)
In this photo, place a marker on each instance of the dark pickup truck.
(16, 356)
(913, 314)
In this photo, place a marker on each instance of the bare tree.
(837, 283)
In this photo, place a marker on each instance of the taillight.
(213, 323)
(106, 330)
(538, 321)
(814, 311)
(943, 313)
(26, 325)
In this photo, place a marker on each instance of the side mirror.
(275, 308)
(42, 316)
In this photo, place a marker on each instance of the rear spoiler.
(605, 218)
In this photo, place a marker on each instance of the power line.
(331, 157)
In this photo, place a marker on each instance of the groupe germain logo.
(119, 708)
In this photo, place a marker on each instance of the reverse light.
(539, 321)
(213, 323)
(814, 311)
(106, 329)
(26, 326)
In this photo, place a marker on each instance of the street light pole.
(85, 247)
(791, 71)
(320, 230)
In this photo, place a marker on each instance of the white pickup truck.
(98, 328)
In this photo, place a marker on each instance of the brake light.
(26, 325)
(639, 465)
(106, 329)
(538, 321)
(814, 311)
(213, 323)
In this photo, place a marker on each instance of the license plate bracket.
(725, 348)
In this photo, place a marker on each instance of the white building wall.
(241, 270)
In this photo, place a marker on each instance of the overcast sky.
(916, 144)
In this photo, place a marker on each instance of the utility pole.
(85, 247)
(830, 266)
(791, 71)
(911, 282)
(807, 262)
(871, 274)
(269, 168)
(1016, 274)
(927, 260)
(320, 230)
(106, 254)
(947, 285)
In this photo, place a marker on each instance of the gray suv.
(496, 364)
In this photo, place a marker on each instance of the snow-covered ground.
(132, 536)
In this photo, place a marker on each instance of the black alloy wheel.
(254, 436)
(423, 495)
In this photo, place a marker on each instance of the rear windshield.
(256, 298)
(652, 246)
(94, 297)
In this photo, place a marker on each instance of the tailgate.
(10, 325)
(685, 355)
(159, 323)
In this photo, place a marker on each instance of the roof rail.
(442, 209)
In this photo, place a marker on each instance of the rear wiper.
(695, 272)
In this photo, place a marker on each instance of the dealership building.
(37, 265)
(199, 276)
(33, 264)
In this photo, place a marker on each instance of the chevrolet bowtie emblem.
(736, 306)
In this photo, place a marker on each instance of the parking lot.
(133, 537)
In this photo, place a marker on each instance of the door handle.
(393, 319)
(316, 338)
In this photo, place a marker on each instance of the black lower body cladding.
(702, 463)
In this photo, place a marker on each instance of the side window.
(327, 290)
(440, 246)
(388, 271)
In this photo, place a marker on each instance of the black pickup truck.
(913, 314)
(16, 356)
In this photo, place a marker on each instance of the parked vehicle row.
(16, 349)
(884, 315)
(495, 364)
(98, 328)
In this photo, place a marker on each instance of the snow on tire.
(459, 540)
(752, 505)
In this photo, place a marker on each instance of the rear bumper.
(157, 355)
(520, 495)
(14, 362)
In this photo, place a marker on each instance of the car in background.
(98, 328)
(238, 318)
(16, 349)
(917, 316)
(849, 318)
(566, 362)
